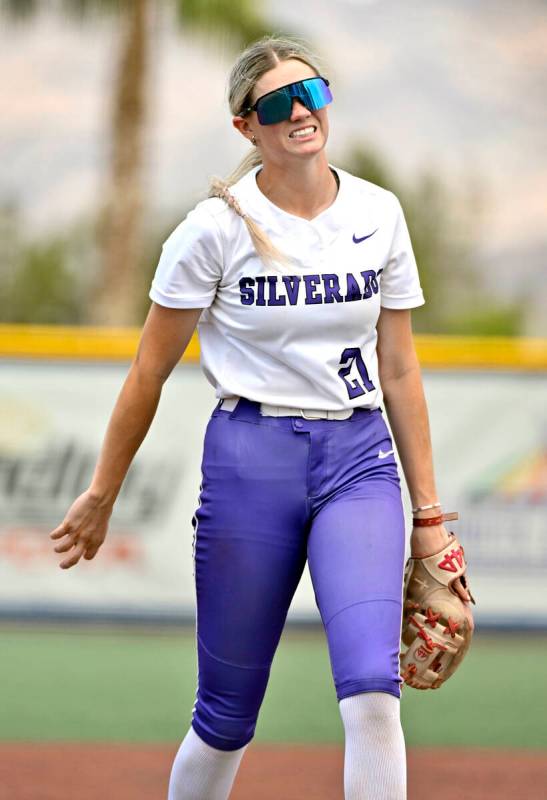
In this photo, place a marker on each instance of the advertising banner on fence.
(489, 434)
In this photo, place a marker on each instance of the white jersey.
(302, 335)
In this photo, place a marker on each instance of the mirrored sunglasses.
(276, 106)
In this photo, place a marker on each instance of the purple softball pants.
(275, 491)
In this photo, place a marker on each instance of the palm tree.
(121, 210)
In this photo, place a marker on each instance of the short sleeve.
(191, 263)
(400, 283)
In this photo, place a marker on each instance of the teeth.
(302, 132)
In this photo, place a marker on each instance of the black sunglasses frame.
(247, 111)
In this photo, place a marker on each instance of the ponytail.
(264, 247)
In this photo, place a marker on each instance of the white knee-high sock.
(375, 757)
(201, 772)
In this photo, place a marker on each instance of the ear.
(242, 125)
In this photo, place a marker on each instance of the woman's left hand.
(426, 542)
(464, 596)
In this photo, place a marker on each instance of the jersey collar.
(326, 225)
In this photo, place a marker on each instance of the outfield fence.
(488, 415)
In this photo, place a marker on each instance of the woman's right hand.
(83, 529)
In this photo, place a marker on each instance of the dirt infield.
(126, 772)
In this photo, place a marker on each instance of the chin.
(313, 149)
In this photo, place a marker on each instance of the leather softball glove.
(434, 629)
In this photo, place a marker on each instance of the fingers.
(60, 530)
(461, 590)
(64, 547)
(91, 552)
(79, 549)
(465, 597)
(81, 533)
(75, 544)
(68, 536)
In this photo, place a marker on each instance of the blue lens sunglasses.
(276, 106)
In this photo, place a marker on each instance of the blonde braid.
(220, 189)
(264, 247)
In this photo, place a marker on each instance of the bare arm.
(164, 339)
(404, 400)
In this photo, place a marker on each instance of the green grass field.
(133, 686)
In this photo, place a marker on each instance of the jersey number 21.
(355, 387)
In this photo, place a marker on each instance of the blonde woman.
(302, 279)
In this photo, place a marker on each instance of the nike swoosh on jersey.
(362, 239)
(381, 453)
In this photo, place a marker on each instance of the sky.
(456, 87)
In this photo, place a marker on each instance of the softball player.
(302, 278)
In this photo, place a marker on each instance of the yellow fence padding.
(120, 344)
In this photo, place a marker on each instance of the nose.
(299, 109)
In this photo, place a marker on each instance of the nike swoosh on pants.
(381, 453)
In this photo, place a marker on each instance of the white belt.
(267, 410)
